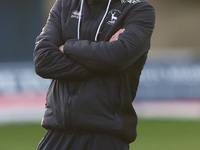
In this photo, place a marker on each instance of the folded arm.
(49, 61)
(117, 55)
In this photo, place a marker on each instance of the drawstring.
(79, 20)
(102, 20)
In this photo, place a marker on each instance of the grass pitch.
(152, 135)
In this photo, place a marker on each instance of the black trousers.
(58, 140)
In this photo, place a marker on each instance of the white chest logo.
(113, 15)
(75, 14)
(130, 1)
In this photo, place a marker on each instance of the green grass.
(152, 135)
(20, 136)
(167, 135)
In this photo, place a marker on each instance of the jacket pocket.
(96, 106)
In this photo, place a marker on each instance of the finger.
(120, 31)
(116, 35)
(61, 48)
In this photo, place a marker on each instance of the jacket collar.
(97, 1)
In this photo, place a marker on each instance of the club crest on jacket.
(113, 15)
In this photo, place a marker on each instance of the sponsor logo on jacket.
(75, 14)
(130, 1)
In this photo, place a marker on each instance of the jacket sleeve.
(49, 61)
(120, 54)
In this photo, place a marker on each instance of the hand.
(116, 35)
(61, 48)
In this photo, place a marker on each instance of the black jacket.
(95, 81)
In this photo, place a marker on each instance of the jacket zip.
(69, 105)
(68, 112)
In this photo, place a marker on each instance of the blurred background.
(169, 90)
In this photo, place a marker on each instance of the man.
(94, 52)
